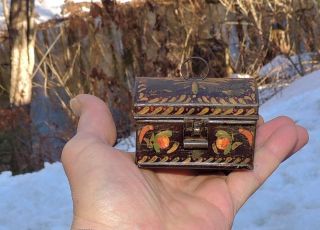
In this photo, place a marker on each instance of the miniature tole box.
(195, 124)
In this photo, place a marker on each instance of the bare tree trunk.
(22, 39)
(6, 11)
(21, 34)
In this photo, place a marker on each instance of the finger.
(260, 121)
(95, 118)
(267, 158)
(264, 131)
(303, 138)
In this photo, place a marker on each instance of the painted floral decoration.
(159, 141)
(224, 143)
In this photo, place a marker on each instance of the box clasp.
(195, 134)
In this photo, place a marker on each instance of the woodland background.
(101, 50)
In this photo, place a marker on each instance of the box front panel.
(163, 144)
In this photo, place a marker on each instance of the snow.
(283, 70)
(39, 200)
(291, 66)
(49, 9)
(288, 200)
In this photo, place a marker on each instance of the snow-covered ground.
(288, 200)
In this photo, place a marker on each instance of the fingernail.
(75, 106)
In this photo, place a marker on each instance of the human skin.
(110, 192)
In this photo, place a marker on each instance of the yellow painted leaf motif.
(141, 95)
(218, 160)
(173, 99)
(203, 111)
(164, 100)
(205, 99)
(253, 96)
(153, 159)
(179, 83)
(213, 100)
(142, 89)
(143, 159)
(180, 111)
(173, 148)
(199, 100)
(242, 101)
(209, 160)
(251, 111)
(191, 111)
(216, 111)
(144, 110)
(228, 111)
(222, 101)
(214, 148)
(236, 145)
(240, 111)
(199, 160)
(228, 92)
(228, 159)
(195, 87)
(168, 111)
(141, 86)
(144, 99)
(233, 101)
(238, 160)
(188, 160)
(157, 110)
(175, 159)
(188, 100)
(248, 98)
(166, 158)
(246, 161)
(181, 98)
(155, 100)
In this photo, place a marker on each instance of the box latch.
(195, 134)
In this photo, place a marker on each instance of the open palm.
(110, 192)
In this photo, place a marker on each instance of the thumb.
(95, 118)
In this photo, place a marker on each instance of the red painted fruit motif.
(163, 142)
(222, 143)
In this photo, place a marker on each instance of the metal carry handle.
(187, 64)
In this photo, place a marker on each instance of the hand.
(110, 192)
